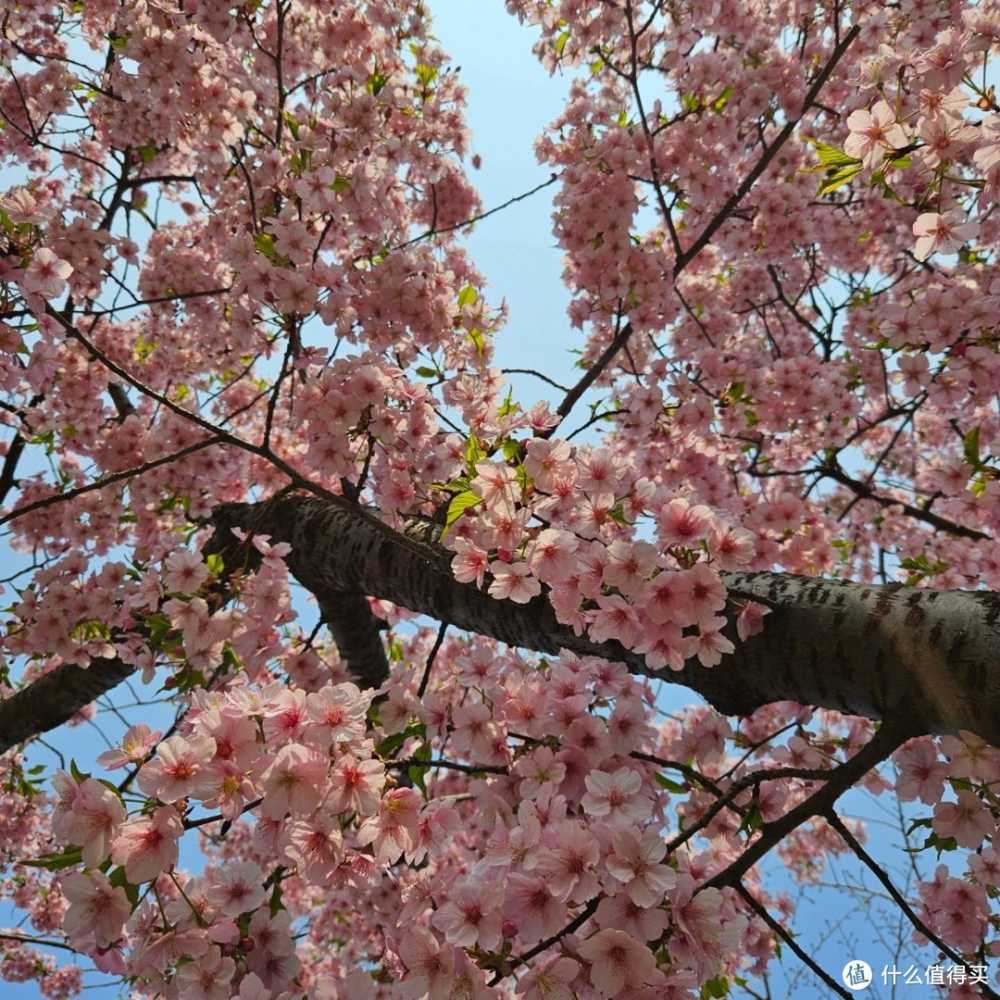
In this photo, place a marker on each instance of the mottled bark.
(928, 660)
(930, 657)
(55, 698)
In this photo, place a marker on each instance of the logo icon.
(857, 975)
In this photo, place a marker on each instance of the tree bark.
(926, 659)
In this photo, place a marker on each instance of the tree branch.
(927, 659)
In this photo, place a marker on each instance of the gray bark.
(926, 659)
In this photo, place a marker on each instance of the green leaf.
(561, 42)
(715, 989)
(459, 504)
(970, 448)
(292, 122)
(418, 773)
(838, 179)
(376, 82)
(275, 903)
(425, 372)
(467, 297)
(264, 242)
(671, 786)
(341, 184)
(753, 820)
(940, 844)
(215, 563)
(830, 156)
(617, 514)
(719, 104)
(511, 449)
(147, 152)
(392, 743)
(878, 180)
(117, 878)
(425, 74)
(56, 862)
(457, 485)
(508, 406)
(477, 338)
(474, 453)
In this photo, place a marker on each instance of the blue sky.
(511, 99)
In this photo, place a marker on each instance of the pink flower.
(680, 523)
(513, 581)
(429, 966)
(665, 600)
(873, 133)
(533, 910)
(88, 815)
(551, 555)
(237, 888)
(96, 908)
(614, 618)
(538, 770)
(618, 962)
(550, 981)
(207, 978)
(470, 915)
(620, 913)
(913, 372)
(395, 828)
(147, 846)
(702, 591)
(355, 786)
(316, 846)
(629, 565)
(921, 772)
(635, 863)
(251, 988)
(185, 571)
(547, 461)
(136, 744)
(273, 955)
(938, 233)
(294, 782)
(567, 863)
(46, 274)
(750, 620)
(616, 796)
(710, 645)
(515, 845)
(178, 770)
(985, 866)
(968, 820)
(702, 937)
(971, 757)
(470, 562)
(339, 713)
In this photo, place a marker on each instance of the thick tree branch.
(55, 698)
(926, 659)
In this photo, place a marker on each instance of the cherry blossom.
(873, 133)
(411, 610)
(937, 233)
